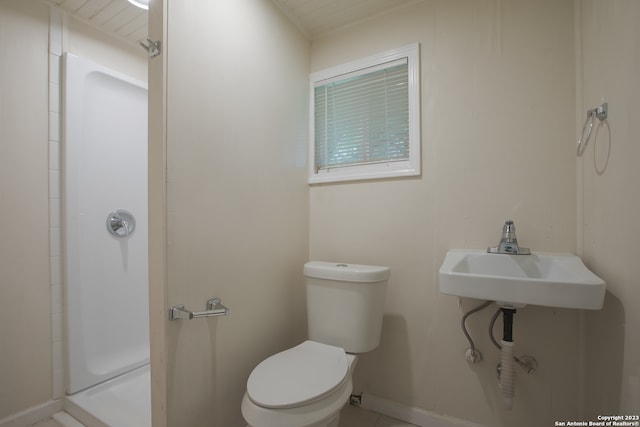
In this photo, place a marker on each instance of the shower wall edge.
(56, 40)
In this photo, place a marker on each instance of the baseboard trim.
(32, 415)
(411, 414)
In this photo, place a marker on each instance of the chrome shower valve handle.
(121, 223)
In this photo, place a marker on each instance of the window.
(365, 118)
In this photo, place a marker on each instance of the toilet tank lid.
(346, 272)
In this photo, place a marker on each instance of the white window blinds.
(362, 117)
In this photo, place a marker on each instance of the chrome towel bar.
(214, 308)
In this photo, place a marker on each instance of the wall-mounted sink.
(554, 280)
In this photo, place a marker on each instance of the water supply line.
(472, 355)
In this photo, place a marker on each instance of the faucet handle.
(509, 243)
(509, 231)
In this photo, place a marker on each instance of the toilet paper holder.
(214, 308)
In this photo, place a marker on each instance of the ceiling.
(313, 17)
(117, 17)
(317, 17)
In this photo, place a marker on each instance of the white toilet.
(307, 385)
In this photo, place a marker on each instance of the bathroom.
(505, 88)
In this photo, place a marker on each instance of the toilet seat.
(298, 376)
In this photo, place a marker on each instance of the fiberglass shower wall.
(106, 274)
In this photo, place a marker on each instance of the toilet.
(307, 385)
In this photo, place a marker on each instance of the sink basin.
(553, 280)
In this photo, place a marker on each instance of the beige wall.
(237, 199)
(610, 206)
(25, 313)
(498, 108)
(498, 114)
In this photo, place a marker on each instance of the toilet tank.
(345, 304)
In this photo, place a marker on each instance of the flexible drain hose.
(507, 374)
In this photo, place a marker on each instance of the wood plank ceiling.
(118, 17)
(318, 17)
(313, 17)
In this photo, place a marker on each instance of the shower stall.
(105, 245)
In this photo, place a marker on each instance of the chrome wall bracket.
(152, 48)
(214, 308)
(601, 113)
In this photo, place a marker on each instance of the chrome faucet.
(509, 243)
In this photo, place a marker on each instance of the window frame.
(380, 170)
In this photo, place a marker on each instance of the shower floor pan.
(124, 401)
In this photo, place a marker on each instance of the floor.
(46, 423)
(350, 417)
(124, 401)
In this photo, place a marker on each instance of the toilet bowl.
(307, 385)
